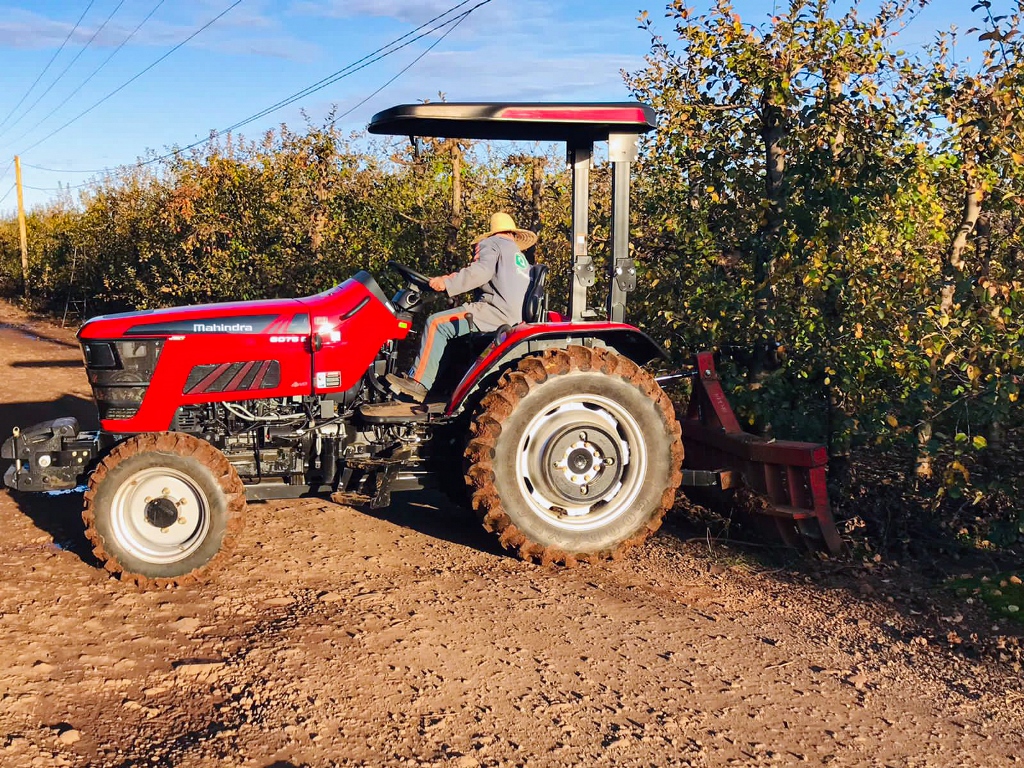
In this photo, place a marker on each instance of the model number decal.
(285, 339)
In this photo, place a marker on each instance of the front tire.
(575, 455)
(163, 509)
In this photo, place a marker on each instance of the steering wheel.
(414, 277)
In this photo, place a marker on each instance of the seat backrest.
(536, 305)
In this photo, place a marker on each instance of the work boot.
(404, 384)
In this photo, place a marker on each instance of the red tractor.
(569, 447)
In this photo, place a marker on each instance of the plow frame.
(786, 478)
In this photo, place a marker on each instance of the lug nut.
(584, 490)
(181, 521)
(609, 461)
(166, 492)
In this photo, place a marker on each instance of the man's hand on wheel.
(437, 283)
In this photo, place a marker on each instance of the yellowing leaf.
(892, 420)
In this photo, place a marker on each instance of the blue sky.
(262, 51)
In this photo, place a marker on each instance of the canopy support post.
(582, 264)
(622, 150)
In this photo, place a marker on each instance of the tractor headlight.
(99, 355)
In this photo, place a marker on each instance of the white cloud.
(242, 31)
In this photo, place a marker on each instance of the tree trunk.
(923, 461)
(537, 193)
(837, 427)
(954, 265)
(455, 221)
(955, 258)
(773, 132)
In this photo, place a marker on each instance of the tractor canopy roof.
(575, 123)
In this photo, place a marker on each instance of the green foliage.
(1002, 593)
(807, 195)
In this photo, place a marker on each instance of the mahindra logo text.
(221, 328)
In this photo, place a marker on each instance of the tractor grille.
(120, 372)
(233, 377)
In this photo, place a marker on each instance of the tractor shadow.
(433, 514)
(57, 514)
(76, 363)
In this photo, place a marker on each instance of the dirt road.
(337, 637)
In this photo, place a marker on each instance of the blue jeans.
(441, 328)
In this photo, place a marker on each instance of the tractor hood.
(266, 316)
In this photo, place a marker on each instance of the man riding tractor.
(500, 278)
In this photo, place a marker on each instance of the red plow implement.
(784, 480)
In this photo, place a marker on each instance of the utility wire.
(131, 80)
(48, 65)
(359, 64)
(371, 58)
(89, 78)
(404, 69)
(70, 64)
(7, 193)
(453, 22)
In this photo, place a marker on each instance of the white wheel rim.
(592, 429)
(160, 515)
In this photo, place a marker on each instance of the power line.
(371, 58)
(70, 64)
(359, 64)
(264, 113)
(7, 193)
(48, 65)
(131, 80)
(452, 24)
(90, 77)
(406, 68)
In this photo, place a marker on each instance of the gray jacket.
(500, 278)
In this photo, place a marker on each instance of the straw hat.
(502, 222)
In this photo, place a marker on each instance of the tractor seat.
(535, 307)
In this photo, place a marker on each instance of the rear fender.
(535, 338)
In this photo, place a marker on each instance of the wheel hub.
(582, 459)
(161, 512)
(160, 515)
(581, 462)
(585, 467)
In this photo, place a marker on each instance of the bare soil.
(335, 637)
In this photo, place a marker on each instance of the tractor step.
(399, 413)
(370, 479)
(350, 499)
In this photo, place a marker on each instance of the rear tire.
(575, 455)
(164, 509)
